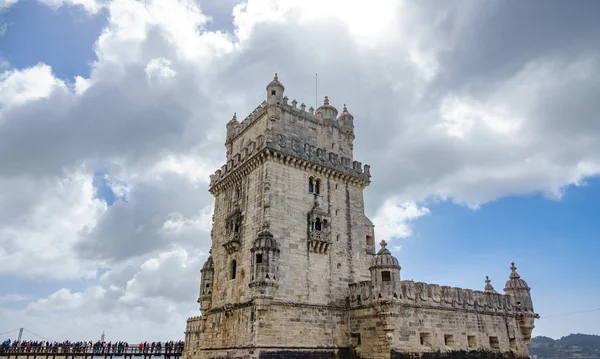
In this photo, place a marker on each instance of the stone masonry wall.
(422, 330)
(306, 276)
(304, 326)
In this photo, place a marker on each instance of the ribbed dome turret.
(384, 259)
(346, 115)
(275, 83)
(326, 111)
(208, 265)
(265, 241)
(515, 281)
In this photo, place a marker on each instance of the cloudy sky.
(479, 119)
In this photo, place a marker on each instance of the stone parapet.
(435, 296)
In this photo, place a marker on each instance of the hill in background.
(573, 346)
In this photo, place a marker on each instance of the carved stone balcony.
(319, 241)
(233, 243)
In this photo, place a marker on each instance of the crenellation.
(293, 264)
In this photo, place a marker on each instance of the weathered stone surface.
(293, 271)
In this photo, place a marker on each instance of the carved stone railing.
(233, 243)
(433, 295)
(319, 241)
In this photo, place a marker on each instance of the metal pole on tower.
(20, 334)
(316, 92)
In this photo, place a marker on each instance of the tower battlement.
(293, 265)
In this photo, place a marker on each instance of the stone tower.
(289, 229)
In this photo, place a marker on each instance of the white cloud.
(40, 228)
(18, 87)
(392, 220)
(5, 4)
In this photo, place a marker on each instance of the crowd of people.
(31, 346)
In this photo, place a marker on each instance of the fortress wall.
(422, 330)
(290, 326)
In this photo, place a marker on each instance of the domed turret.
(520, 294)
(346, 120)
(232, 127)
(206, 283)
(326, 112)
(275, 91)
(385, 275)
(519, 291)
(265, 260)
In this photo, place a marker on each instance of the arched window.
(310, 185)
(318, 224)
(324, 224)
(233, 268)
(318, 186)
(237, 193)
(236, 227)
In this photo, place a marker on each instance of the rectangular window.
(471, 341)
(386, 276)
(494, 344)
(369, 240)
(449, 340)
(355, 339)
(425, 339)
(258, 258)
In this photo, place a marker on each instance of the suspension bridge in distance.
(47, 348)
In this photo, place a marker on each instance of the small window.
(237, 193)
(233, 269)
(258, 258)
(513, 343)
(273, 92)
(425, 339)
(337, 237)
(386, 276)
(494, 344)
(310, 185)
(336, 186)
(337, 211)
(449, 340)
(318, 224)
(471, 341)
(369, 240)
(318, 186)
(339, 266)
(355, 339)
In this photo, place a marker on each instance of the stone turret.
(275, 91)
(206, 284)
(520, 294)
(232, 128)
(346, 120)
(519, 291)
(265, 262)
(326, 111)
(385, 275)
